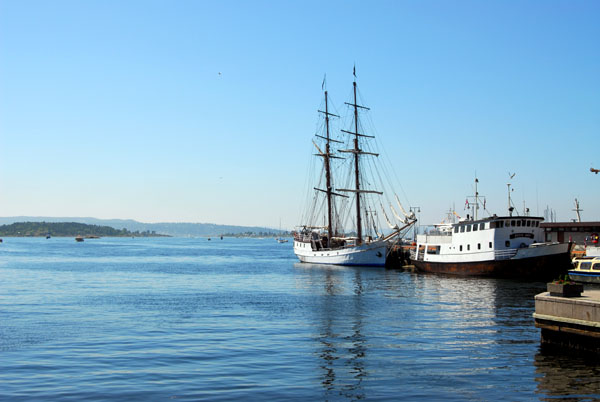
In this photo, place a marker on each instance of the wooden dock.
(569, 322)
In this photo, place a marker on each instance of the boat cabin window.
(528, 223)
(468, 247)
(455, 229)
(462, 229)
(518, 223)
(585, 265)
(507, 243)
(433, 249)
(481, 226)
(475, 228)
(468, 228)
(478, 246)
(512, 223)
(596, 266)
(490, 244)
(460, 248)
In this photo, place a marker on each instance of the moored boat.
(496, 246)
(586, 270)
(347, 201)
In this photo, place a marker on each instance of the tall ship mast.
(329, 242)
(357, 152)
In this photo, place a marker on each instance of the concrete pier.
(569, 322)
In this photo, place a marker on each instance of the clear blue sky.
(204, 111)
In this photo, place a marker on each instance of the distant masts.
(577, 210)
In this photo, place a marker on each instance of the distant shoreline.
(181, 229)
(75, 235)
(68, 229)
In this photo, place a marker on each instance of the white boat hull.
(369, 254)
(544, 261)
(592, 251)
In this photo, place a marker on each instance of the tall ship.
(495, 246)
(341, 224)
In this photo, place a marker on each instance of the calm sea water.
(189, 319)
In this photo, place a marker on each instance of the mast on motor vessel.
(510, 207)
(475, 203)
(476, 199)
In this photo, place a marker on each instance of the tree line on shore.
(67, 229)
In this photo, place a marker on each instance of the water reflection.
(341, 344)
(441, 337)
(567, 376)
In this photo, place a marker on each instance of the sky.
(204, 111)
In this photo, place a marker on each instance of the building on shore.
(581, 233)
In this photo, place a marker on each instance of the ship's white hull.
(369, 254)
(545, 261)
(497, 246)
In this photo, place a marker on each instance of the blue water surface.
(192, 319)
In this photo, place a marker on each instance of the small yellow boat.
(586, 270)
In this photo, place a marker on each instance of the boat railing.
(505, 254)
(439, 233)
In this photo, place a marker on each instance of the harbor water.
(192, 319)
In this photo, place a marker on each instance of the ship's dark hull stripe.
(545, 267)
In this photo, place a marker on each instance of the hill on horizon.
(177, 229)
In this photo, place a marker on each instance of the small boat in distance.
(341, 224)
(496, 246)
(79, 238)
(586, 270)
(281, 239)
